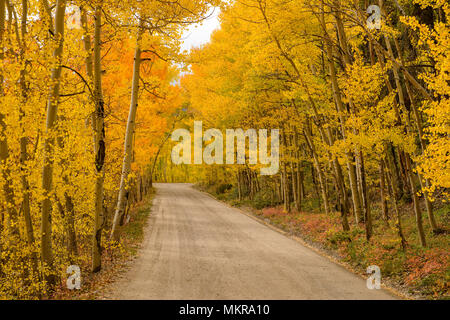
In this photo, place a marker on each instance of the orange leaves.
(431, 262)
(158, 100)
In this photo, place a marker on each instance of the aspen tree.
(99, 141)
(52, 107)
(24, 156)
(337, 96)
(4, 149)
(124, 180)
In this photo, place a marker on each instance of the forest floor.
(114, 259)
(418, 273)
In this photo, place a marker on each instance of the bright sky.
(199, 34)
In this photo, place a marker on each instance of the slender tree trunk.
(391, 164)
(365, 199)
(314, 182)
(408, 166)
(47, 174)
(163, 142)
(68, 209)
(346, 60)
(72, 245)
(395, 205)
(286, 198)
(302, 185)
(293, 174)
(338, 100)
(99, 143)
(122, 198)
(384, 206)
(342, 196)
(239, 185)
(340, 183)
(299, 174)
(319, 172)
(287, 201)
(418, 120)
(8, 190)
(3, 142)
(24, 157)
(417, 210)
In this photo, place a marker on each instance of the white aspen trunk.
(47, 172)
(321, 177)
(410, 174)
(128, 148)
(417, 210)
(3, 141)
(356, 198)
(4, 150)
(93, 69)
(394, 196)
(23, 143)
(424, 183)
(99, 144)
(365, 200)
(383, 198)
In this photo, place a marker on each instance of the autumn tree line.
(86, 100)
(363, 112)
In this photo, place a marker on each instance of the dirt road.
(198, 248)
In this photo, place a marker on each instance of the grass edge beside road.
(115, 258)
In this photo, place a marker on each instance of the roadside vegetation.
(115, 259)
